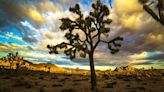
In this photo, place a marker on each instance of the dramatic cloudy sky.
(27, 26)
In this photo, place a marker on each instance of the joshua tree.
(160, 6)
(45, 67)
(16, 54)
(152, 68)
(17, 66)
(94, 27)
(22, 58)
(4, 58)
(77, 68)
(9, 56)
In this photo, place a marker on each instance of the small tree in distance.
(93, 26)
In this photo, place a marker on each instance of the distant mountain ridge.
(14, 61)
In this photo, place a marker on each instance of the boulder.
(128, 68)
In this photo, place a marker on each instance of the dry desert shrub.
(68, 90)
(57, 85)
(22, 83)
(41, 89)
(110, 85)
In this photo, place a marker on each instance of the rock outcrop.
(128, 68)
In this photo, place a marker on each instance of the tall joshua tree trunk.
(92, 71)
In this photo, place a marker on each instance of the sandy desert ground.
(35, 81)
(19, 75)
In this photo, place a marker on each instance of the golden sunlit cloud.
(35, 15)
(129, 13)
(49, 6)
(139, 56)
(17, 46)
(156, 37)
(127, 6)
(3, 48)
(12, 46)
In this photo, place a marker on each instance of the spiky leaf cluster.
(115, 44)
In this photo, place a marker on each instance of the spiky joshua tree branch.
(160, 6)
